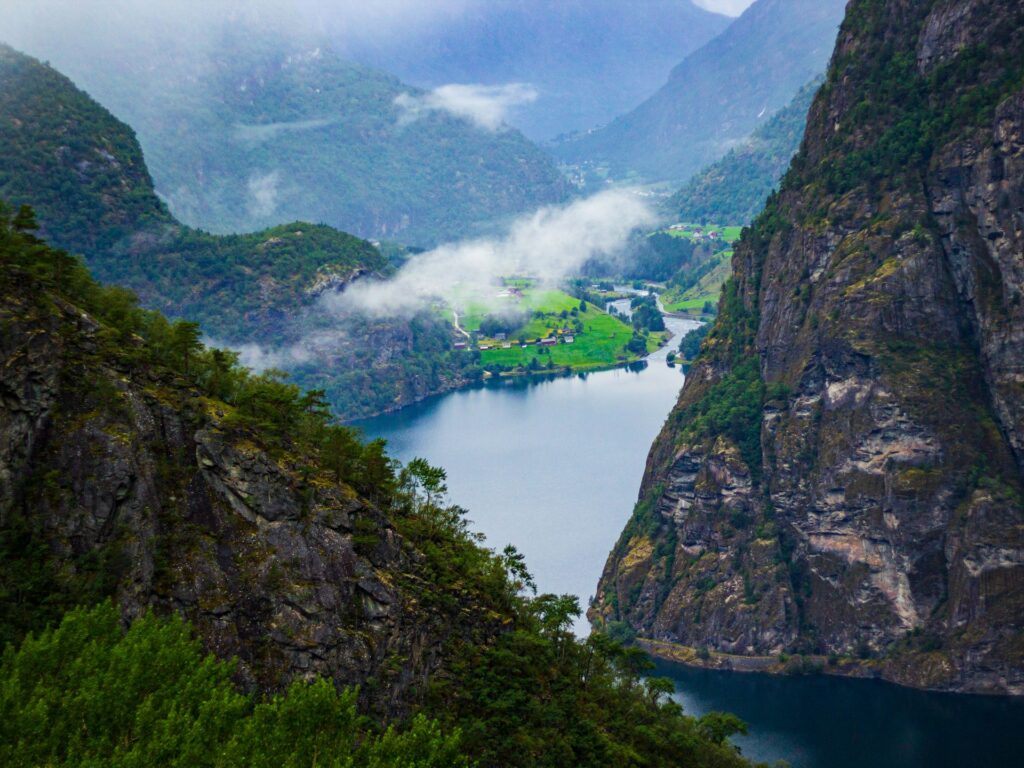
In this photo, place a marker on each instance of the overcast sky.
(729, 7)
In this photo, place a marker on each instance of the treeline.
(89, 693)
(646, 315)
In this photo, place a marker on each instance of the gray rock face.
(269, 559)
(884, 519)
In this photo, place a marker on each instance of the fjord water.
(550, 465)
(553, 466)
(834, 722)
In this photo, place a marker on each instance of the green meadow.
(691, 300)
(599, 340)
(726, 233)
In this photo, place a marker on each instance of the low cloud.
(253, 135)
(549, 245)
(728, 7)
(260, 358)
(263, 194)
(486, 106)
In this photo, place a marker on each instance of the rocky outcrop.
(843, 473)
(139, 487)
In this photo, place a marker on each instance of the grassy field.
(727, 233)
(707, 289)
(599, 344)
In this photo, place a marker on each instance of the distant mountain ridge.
(717, 95)
(589, 60)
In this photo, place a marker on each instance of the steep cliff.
(843, 473)
(127, 479)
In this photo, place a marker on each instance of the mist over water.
(548, 245)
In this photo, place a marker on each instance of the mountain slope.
(250, 129)
(68, 156)
(718, 94)
(140, 467)
(843, 474)
(734, 188)
(84, 172)
(588, 60)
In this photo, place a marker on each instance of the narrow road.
(459, 327)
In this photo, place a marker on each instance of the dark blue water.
(832, 722)
(554, 468)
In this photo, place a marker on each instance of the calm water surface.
(554, 467)
(832, 722)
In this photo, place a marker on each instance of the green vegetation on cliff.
(78, 165)
(848, 446)
(83, 173)
(735, 187)
(503, 678)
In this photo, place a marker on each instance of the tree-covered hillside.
(146, 470)
(76, 163)
(734, 188)
(83, 171)
(245, 129)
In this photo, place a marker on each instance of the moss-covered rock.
(879, 300)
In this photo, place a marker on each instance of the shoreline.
(527, 374)
(806, 666)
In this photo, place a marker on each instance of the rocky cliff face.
(137, 486)
(843, 473)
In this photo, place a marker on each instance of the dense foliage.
(731, 406)
(689, 345)
(658, 257)
(646, 315)
(76, 163)
(732, 403)
(89, 693)
(901, 116)
(380, 363)
(735, 187)
(520, 688)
